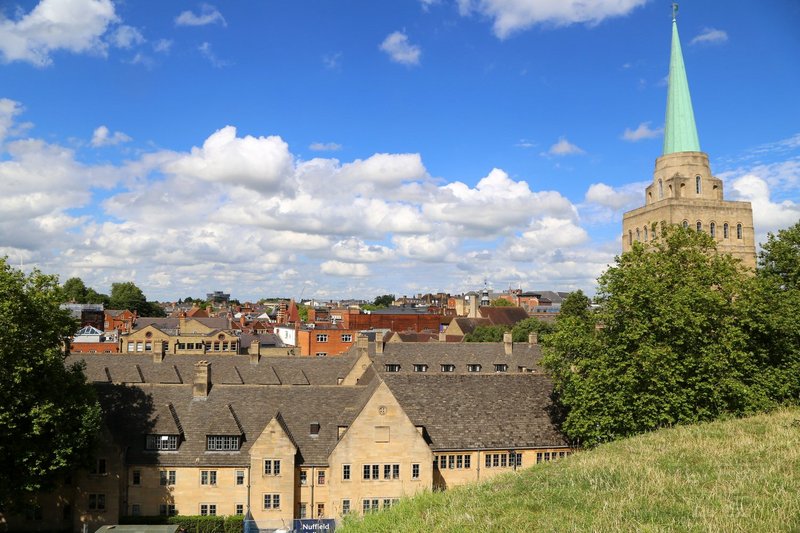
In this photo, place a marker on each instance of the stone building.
(683, 190)
(283, 438)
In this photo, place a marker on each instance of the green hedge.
(192, 524)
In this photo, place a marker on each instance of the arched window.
(645, 234)
(699, 226)
(697, 183)
(685, 224)
(725, 230)
(738, 231)
(630, 237)
(638, 235)
(712, 229)
(660, 189)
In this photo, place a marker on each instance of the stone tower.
(683, 190)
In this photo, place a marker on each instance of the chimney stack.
(254, 351)
(182, 322)
(158, 351)
(379, 343)
(442, 336)
(508, 344)
(362, 344)
(202, 380)
(533, 338)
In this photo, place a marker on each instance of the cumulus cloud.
(400, 50)
(72, 25)
(102, 136)
(345, 270)
(208, 15)
(9, 109)
(208, 53)
(259, 163)
(710, 36)
(614, 198)
(325, 147)
(384, 169)
(643, 131)
(544, 235)
(510, 16)
(768, 215)
(564, 147)
(126, 37)
(162, 46)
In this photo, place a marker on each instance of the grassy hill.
(734, 475)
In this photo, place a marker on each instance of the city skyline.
(347, 152)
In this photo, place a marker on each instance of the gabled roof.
(461, 412)
(460, 354)
(503, 316)
(173, 322)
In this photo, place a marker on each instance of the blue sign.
(309, 524)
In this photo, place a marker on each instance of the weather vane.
(674, 10)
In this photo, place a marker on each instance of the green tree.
(501, 302)
(486, 334)
(576, 304)
(780, 257)
(384, 300)
(522, 329)
(127, 295)
(302, 312)
(74, 290)
(48, 413)
(666, 346)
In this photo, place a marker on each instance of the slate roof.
(230, 369)
(503, 316)
(468, 325)
(135, 411)
(172, 322)
(462, 412)
(460, 354)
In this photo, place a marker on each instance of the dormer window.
(162, 442)
(473, 368)
(391, 367)
(501, 368)
(448, 368)
(222, 443)
(420, 368)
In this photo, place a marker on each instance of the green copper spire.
(680, 132)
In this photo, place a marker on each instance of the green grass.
(733, 475)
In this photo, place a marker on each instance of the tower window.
(697, 183)
(738, 231)
(645, 234)
(630, 237)
(638, 235)
(725, 230)
(660, 189)
(712, 228)
(685, 224)
(699, 226)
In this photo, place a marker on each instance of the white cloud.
(643, 131)
(545, 235)
(564, 147)
(524, 143)
(73, 25)
(357, 251)
(325, 147)
(208, 53)
(768, 215)
(384, 169)
(616, 199)
(345, 270)
(426, 248)
(710, 36)
(126, 37)
(103, 137)
(332, 61)
(259, 163)
(400, 50)
(510, 16)
(208, 15)
(162, 46)
(8, 110)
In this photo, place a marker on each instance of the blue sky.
(355, 148)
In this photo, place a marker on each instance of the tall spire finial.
(680, 131)
(674, 10)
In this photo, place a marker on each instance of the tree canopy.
(127, 295)
(385, 300)
(501, 302)
(75, 290)
(682, 335)
(486, 334)
(49, 414)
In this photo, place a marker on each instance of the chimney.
(202, 379)
(362, 344)
(181, 321)
(158, 352)
(442, 336)
(508, 345)
(379, 343)
(254, 351)
(533, 338)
